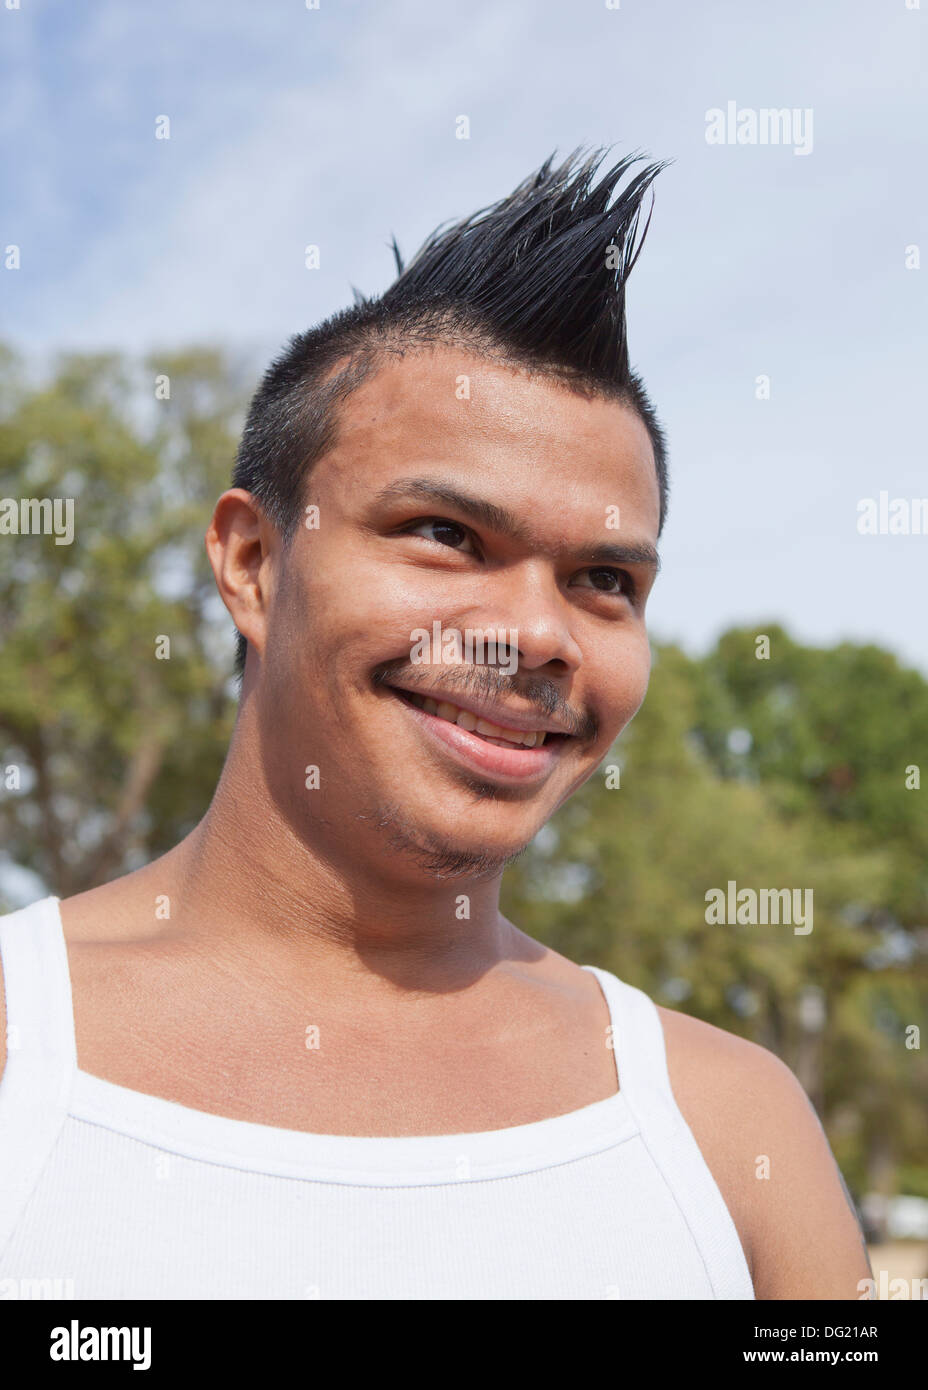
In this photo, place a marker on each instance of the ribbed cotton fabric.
(118, 1194)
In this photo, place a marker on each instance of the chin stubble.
(436, 856)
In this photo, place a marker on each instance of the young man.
(308, 1057)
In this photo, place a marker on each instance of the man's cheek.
(639, 675)
(629, 686)
(641, 690)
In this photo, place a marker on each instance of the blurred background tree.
(787, 772)
(119, 747)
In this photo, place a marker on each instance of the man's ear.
(241, 544)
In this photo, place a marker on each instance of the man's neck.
(319, 902)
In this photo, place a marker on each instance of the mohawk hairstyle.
(536, 280)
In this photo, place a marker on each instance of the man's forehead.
(572, 462)
(451, 393)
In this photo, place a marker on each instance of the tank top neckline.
(621, 1182)
(368, 1160)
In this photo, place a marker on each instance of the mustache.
(483, 681)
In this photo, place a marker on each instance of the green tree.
(119, 745)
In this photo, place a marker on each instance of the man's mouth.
(484, 728)
(503, 753)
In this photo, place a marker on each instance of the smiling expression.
(489, 514)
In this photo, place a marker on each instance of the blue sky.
(336, 127)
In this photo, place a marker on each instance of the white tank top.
(118, 1194)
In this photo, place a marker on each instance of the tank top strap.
(641, 1063)
(640, 1052)
(41, 1055)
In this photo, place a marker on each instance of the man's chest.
(330, 1070)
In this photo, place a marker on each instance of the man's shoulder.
(726, 1085)
(737, 1097)
(765, 1146)
(710, 1061)
(104, 917)
(720, 1079)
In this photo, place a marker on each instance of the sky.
(338, 127)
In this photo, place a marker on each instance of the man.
(309, 1056)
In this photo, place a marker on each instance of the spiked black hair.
(536, 280)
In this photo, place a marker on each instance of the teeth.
(465, 720)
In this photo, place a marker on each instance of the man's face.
(524, 513)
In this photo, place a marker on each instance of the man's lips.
(490, 710)
(476, 753)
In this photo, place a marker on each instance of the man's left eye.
(608, 581)
(450, 533)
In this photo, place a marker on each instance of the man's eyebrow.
(499, 519)
(642, 553)
(478, 508)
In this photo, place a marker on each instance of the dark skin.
(340, 906)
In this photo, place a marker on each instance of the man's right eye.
(448, 533)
